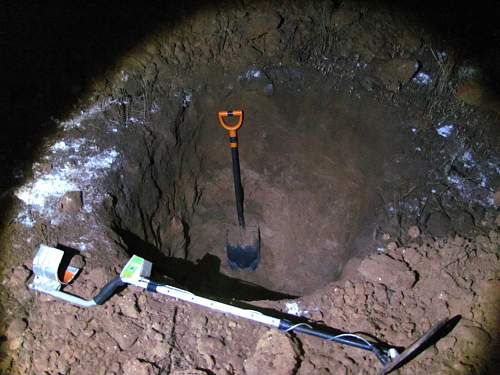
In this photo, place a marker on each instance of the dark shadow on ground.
(203, 278)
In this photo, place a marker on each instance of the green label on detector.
(135, 263)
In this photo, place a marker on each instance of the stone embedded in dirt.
(446, 343)
(44, 167)
(128, 307)
(414, 231)
(14, 333)
(275, 354)
(391, 246)
(71, 202)
(480, 95)
(208, 347)
(257, 81)
(385, 270)
(192, 371)
(19, 277)
(138, 367)
(177, 237)
(496, 199)
(78, 261)
(473, 340)
(395, 73)
(41, 361)
(124, 334)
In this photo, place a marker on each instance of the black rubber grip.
(108, 290)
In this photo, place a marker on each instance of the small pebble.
(392, 246)
(413, 231)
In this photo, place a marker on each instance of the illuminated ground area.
(375, 188)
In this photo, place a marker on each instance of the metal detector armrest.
(46, 267)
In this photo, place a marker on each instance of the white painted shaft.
(69, 298)
(214, 305)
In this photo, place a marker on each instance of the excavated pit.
(312, 166)
(369, 158)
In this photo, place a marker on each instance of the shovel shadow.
(203, 278)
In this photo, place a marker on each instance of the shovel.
(242, 243)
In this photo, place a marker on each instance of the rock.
(391, 246)
(177, 237)
(128, 307)
(471, 338)
(122, 331)
(274, 354)
(78, 261)
(43, 168)
(137, 367)
(413, 232)
(255, 80)
(192, 371)
(210, 345)
(14, 333)
(71, 202)
(16, 328)
(496, 199)
(446, 343)
(385, 270)
(395, 73)
(19, 277)
(479, 95)
(40, 361)
(208, 348)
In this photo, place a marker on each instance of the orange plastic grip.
(231, 128)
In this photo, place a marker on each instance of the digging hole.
(311, 162)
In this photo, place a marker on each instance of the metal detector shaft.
(256, 316)
(137, 271)
(46, 266)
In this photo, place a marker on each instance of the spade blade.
(243, 247)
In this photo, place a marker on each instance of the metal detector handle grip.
(108, 290)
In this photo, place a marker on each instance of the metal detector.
(50, 278)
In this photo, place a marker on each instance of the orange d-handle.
(231, 128)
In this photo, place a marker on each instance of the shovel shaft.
(238, 189)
